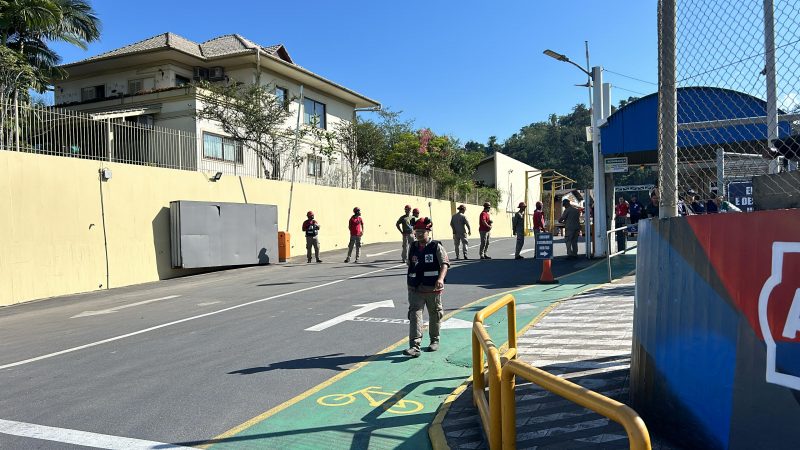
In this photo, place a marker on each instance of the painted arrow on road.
(364, 308)
(113, 310)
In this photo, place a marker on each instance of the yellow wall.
(52, 225)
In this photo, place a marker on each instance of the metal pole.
(599, 172)
(769, 55)
(294, 157)
(16, 117)
(667, 112)
(720, 171)
(587, 232)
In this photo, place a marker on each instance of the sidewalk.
(586, 339)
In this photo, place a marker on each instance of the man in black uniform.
(311, 228)
(427, 268)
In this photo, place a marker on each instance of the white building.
(508, 175)
(149, 83)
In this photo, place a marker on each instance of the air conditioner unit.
(200, 73)
(216, 73)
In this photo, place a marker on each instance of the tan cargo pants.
(417, 302)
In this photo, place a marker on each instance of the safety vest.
(425, 265)
(312, 228)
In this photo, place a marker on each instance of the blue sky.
(467, 68)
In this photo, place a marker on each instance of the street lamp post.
(599, 185)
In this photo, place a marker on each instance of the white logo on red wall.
(779, 317)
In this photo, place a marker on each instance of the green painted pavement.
(389, 402)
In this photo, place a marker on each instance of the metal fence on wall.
(67, 133)
(729, 101)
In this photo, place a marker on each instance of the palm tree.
(27, 26)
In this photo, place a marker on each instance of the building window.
(314, 111)
(93, 93)
(181, 81)
(282, 94)
(314, 165)
(222, 148)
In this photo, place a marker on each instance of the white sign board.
(616, 165)
(588, 134)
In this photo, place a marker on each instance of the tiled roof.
(227, 45)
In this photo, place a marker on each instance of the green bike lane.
(388, 401)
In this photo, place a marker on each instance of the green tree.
(253, 115)
(28, 26)
(358, 143)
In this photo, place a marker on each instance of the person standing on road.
(621, 220)
(518, 229)
(427, 269)
(484, 228)
(538, 220)
(652, 208)
(414, 216)
(635, 210)
(311, 228)
(404, 226)
(356, 226)
(571, 218)
(461, 230)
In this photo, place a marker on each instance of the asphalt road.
(187, 359)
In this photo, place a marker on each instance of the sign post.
(740, 193)
(544, 251)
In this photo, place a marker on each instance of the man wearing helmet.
(404, 226)
(484, 227)
(414, 216)
(461, 230)
(427, 269)
(356, 226)
(518, 229)
(311, 228)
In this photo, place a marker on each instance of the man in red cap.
(427, 269)
(538, 220)
(414, 216)
(356, 226)
(484, 227)
(404, 226)
(518, 229)
(311, 228)
(461, 230)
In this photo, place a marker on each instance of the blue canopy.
(634, 127)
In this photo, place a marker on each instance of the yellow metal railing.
(489, 410)
(638, 437)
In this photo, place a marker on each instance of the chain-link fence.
(729, 105)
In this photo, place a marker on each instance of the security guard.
(414, 216)
(427, 269)
(518, 229)
(461, 230)
(356, 226)
(311, 228)
(404, 226)
(484, 229)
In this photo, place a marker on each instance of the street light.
(598, 114)
(563, 58)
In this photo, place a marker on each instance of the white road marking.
(454, 322)
(76, 437)
(208, 303)
(380, 320)
(113, 310)
(367, 307)
(381, 253)
(523, 251)
(199, 316)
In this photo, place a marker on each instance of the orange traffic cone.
(547, 274)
